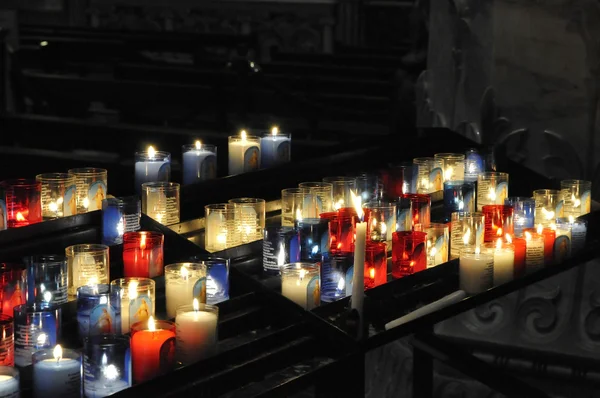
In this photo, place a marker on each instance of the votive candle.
(301, 283)
(199, 162)
(197, 332)
(244, 153)
(56, 373)
(184, 282)
(153, 349)
(151, 166)
(476, 270)
(143, 254)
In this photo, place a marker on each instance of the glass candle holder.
(346, 229)
(473, 165)
(420, 210)
(217, 278)
(184, 282)
(396, 180)
(199, 162)
(314, 238)
(160, 201)
(197, 332)
(408, 253)
(337, 270)
(47, 280)
(13, 288)
(453, 165)
(429, 174)
(281, 245)
(523, 213)
(578, 228)
(59, 195)
(296, 204)
(438, 242)
(106, 365)
(250, 218)
(220, 231)
(498, 222)
(520, 247)
(492, 189)
(576, 196)
(504, 261)
(275, 148)
(381, 221)
(7, 342)
(547, 206)
(23, 201)
(458, 196)
(96, 310)
(375, 264)
(35, 328)
(562, 242)
(151, 166)
(300, 282)
(368, 187)
(143, 254)
(120, 215)
(466, 230)
(153, 349)
(332, 218)
(89, 264)
(323, 194)
(135, 301)
(342, 188)
(549, 236)
(476, 270)
(534, 252)
(244, 153)
(56, 373)
(10, 382)
(92, 186)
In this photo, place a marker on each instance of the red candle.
(13, 287)
(375, 264)
(23, 200)
(549, 237)
(420, 205)
(346, 229)
(393, 181)
(143, 254)
(152, 349)
(498, 221)
(520, 248)
(408, 253)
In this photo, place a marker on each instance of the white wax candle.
(9, 387)
(179, 291)
(104, 388)
(504, 264)
(244, 156)
(358, 279)
(150, 171)
(57, 378)
(302, 289)
(198, 165)
(427, 309)
(476, 271)
(274, 149)
(196, 335)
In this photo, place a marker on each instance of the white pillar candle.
(300, 282)
(196, 330)
(244, 154)
(9, 387)
(183, 283)
(358, 278)
(476, 270)
(56, 376)
(504, 262)
(534, 252)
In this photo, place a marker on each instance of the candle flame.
(151, 151)
(198, 144)
(58, 352)
(41, 339)
(499, 232)
(151, 324)
(53, 207)
(86, 203)
(492, 195)
(143, 242)
(461, 205)
(274, 130)
(357, 202)
(104, 361)
(383, 228)
(281, 255)
(553, 227)
(244, 135)
(448, 173)
(372, 273)
(341, 283)
(499, 244)
(527, 236)
(540, 229)
(508, 238)
(548, 215)
(301, 276)
(477, 250)
(132, 289)
(298, 214)
(467, 236)
(111, 372)
(576, 202)
(196, 305)
(433, 252)
(571, 219)
(184, 272)
(20, 217)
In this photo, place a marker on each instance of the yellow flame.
(184, 272)
(448, 173)
(477, 250)
(383, 228)
(196, 305)
(274, 130)
(143, 242)
(499, 232)
(576, 202)
(372, 273)
(341, 284)
(540, 229)
(20, 217)
(357, 202)
(281, 255)
(433, 252)
(499, 244)
(298, 214)
(58, 352)
(132, 289)
(86, 203)
(244, 135)
(508, 238)
(527, 236)
(467, 236)
(492, 195)
(198, 144)
(53, 207)
(571, 219)
(301, 277)
(151, 151)
(553, 227)
(151, 324)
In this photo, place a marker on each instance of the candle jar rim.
(436, 225)
(55, 177)
(221, 207)
(423, 160)
(5, 319)
(10, 371)
(185, 308)
(419, 197)
(292, 268)
(378, 204)
(123, 200)
(143, 283)
(329, 215)
(339, 179)
(88, 171)
(373, 246)
(30, 308)
(87, 248)
(472, 251)
(48, 353)
(21, 183)
(106, 340)
(449, 156)
(574, 182)
(493, 245)
(161, 186)
(546, 192)
(576, 220)
(157, 156)
(315, 184)
(158, 323)
(294, 191)
(246, 201)
(519, 199)
(414, 235)
(93, 290)
(471, 214)
(492, 174)
(280, 133)
(488, 208)
(249, 137)
(192, 147)
(45, 259)
(211, 260)
(175, 268)
(312, 221)
(454, 183)
(134, 236)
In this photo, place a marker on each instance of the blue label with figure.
(313, 293)
(2, 215)
(283, 151)
(140, 309)
(349, 280)
(200, 290)
(436, 179)
(164, 173)
(96, 194)
(560, 209)
(70, 201)
(251, 159)
(501, 193)
(562, 248)
(468, 202)
(102, 319)
(208, 168)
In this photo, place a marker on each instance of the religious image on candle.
(244, 153)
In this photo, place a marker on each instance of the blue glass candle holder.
(473, 165)
(120, 215)
(151, 166)
(275, 148)
(337, 271)
(35, 328)
(97, 310)
(314, 238)
(217, 278)
(199, 163)
(281, 245)
(523, 213)
(47, 280)
(369, 186)
(458, 196)
(106, 365)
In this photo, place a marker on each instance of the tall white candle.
(534, 252)
(476, 270)
(504, 262)
(244, 154)
(196, 330)
(358, 278)
(9, 387)
(57, 377)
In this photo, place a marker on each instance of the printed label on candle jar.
(200, 290)
(96, 194)
(140, 309)
(501, 192)
(102, 319)
(271, 254)
(70, 201)
(131, 222)
(249, 225)
(164, 173)
(456, 242)
(32, 337)
(283, 151)
(7, 354)
(251, 159)
(313, 293)
(208, 168)
(2, 215)
(167, 355)
(534, 256)
(436, 179)
(349, 280)
(562, 248)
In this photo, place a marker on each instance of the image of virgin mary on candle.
(70, 202)
(251, 159)
(104, 321)
(96, 194)
(143, 312)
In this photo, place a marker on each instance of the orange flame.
(499, 232)
(143, 242)
(372, 273)
(20, 217)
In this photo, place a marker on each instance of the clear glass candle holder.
(199, 162)
(296, 204)
(184, 282)
(375, 264)
(153, 349)
(106, 365)
(143, 254)
(47, 280)
(453, 165)
(56, 373)
(473, 165)
(7, 341)
(429, 174)
(135, 301)
(342, 188)
(250, 218)
(281, 245)
(458, 196)
(576, 197)
(408, 253)
(381, 220)
(314, 238)
(476, 270)
(368, 186)
(197, 332)
(10, 382)
(438, 243)
(161, 201)
(466, 230)
(492, 188)
(275, 149)
(120, 215)
(151, 166)
(419, 212)
(547, 206)
(499, 221)
(220, 229)
(89, 264)
(217, 277)
(35, 328)
(96, 310)
(13, 288)
(300, 282)
(336, 276)
(92, 186)
(578, 228)
(23, 202)
(322, 192)
(523, 213)
(332, 218)
(244, 153)
(59, 195)
(396, 180)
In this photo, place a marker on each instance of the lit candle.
(109, 381)
(196, 332)
(143, 254)
(275, 148)
(578, 232)
(199, 162)
(534, 252)
(504, 262)
(184, 282)
(476, 270)
(562, 242)
(137, 300)
(59, 376)
(300, 283)
(244, 154)
(151, 166)
(9, 382)
(152, 349)
(358, 278)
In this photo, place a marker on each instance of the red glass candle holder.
(23, 200)
(549, 237)
(408, 253)
(520, 248)
(152, 349)
(420, 205)
(7, 340)
(13, 287)
(143, 254)
(498, 222)
(375, 264)
(346, 220)
(393, 181)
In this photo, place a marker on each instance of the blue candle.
(473, 165)
(35, 328)
(151, 166)
(281, 245)
(337, 271)
(199, 162)
(314, 238)
(523, 213)
(458, 196)
(275, 148)
(120, 215)
(96, 313)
